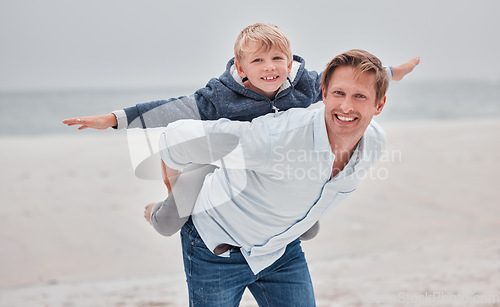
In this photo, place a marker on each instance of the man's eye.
(361, 96)
(338, 93)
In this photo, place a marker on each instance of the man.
(278, 176)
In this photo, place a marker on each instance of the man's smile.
(345, 119)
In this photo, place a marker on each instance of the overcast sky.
(60, 44)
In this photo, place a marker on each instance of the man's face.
(266, 71)
(350, 104)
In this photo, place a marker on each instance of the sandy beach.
(423, 229)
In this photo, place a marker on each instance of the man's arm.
(225, 143)
(169, 176)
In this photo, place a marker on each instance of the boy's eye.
(256, 60)
(277, 58)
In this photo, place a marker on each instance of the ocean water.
(42, 112)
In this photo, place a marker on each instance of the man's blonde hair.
(266, 36)
(361, 61)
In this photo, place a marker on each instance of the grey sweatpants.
(168, 216)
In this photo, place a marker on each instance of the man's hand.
(169, 176)
(96, 122)
(147, 212)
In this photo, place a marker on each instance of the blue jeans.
(220, 281)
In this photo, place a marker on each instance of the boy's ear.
(290, 66)
(239, 69)
(380, 105)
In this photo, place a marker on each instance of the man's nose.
(347, 105)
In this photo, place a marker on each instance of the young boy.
(263, 77)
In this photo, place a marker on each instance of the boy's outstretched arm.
(152, 114)
(402, 70)
(96, 122)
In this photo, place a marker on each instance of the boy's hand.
(96, 122)
(402, 70)
(147, 212)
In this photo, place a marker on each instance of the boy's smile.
(266, 70)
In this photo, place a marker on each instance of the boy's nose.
(270, 67)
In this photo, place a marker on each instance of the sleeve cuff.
(121, 118)
(390, 72)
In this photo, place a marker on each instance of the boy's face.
(350, 103)
(266, 71)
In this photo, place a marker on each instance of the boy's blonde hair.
(266, 36)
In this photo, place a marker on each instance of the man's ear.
(380, 105)
(239, 69)
(323, 91)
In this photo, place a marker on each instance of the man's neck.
(343, 149)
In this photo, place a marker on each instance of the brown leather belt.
(222, 248)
